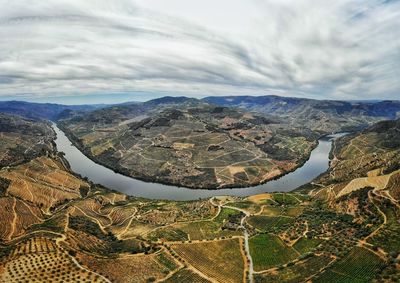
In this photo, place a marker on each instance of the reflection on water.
(317, 164)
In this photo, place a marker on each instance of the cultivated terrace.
(58, 227)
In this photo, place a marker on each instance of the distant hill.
(48, 111)
(318, 115)
(125, 111)
(322, 116)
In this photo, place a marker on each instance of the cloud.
(345, 49)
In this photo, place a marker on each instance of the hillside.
(189, 143)
(325, 116)
(46, 111)
(58, 226)
(22, 139)
(373, 152)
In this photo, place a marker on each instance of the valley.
(196, 144)
(60, 226)
(317, 163)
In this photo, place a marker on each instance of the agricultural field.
(130, 268)
(226, 214)
(286, 199)
(40, 259)
(168, 234)
(59, 227)
(360, 265)
(299, 272)
(206, 230)
(184, 276)
(247, 205)
(221, 260)
(44, 182)
(264, 223)
(269, 251)
(305, 245)
(200, 230)
(22, 214)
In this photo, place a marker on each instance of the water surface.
(317, 164)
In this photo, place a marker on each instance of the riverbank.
(317, 163)
(116, 168)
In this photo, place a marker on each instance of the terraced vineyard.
(268, 251)
(186, 275)
(305, 245)
(58, 227)
(268, 222)
(299, 272)
(45, 181)
(221, 260)
(198, 230)
(129, 268)
(360, 265)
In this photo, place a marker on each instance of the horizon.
(85, 100)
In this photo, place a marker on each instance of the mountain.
(187, 142)
(324, 116)
(47, 111)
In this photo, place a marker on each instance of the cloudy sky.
(111, 51)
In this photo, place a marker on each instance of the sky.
(101, 51)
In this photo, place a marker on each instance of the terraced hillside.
(22, 139)
(58, 227)
(364, 159)
(197, 146)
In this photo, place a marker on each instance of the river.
(317, 164)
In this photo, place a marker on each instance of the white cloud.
(344, 49)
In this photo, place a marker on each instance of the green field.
(266, 223)
(305, 245)
(268, 251)
(225, 214)
(206, 230)
(293, 211)
(167, 262)
(285, 199)
(221, 260)
(168, 234)
(184, 276)
(272, 211)
(360, 265)
(295, 273)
